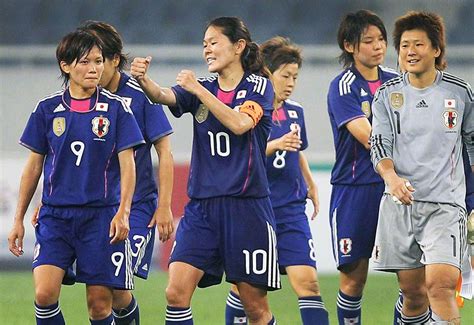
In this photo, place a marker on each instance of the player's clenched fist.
(139, 67)
(187, 80)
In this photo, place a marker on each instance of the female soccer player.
(291, 182)
(83, 137)
(229, 224)
(421, 234)
(145, 212)
(357, 189)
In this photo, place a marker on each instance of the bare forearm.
(29, 181)
(236, 122)
(156, 93)
(272, 147)
(127, 179)
(386, 169)
(306, 171)
(165, 174)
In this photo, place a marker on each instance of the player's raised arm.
(154, 91)
(29, 182)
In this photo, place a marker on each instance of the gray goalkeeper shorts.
(424, 233)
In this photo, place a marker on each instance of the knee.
(255, 312)
(99, 305)
(353, 287)
(414, 296)
(307, 287)
(177, 297)
(46, 296)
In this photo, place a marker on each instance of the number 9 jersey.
(81, 148)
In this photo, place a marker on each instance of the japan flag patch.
(450, 103)
(241, 94)
(292, 114)
(102, 107)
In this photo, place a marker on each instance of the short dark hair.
(113, 44)
(351, 30)
(73, 47)
(278, 51)
(234, 29)
(429, 22)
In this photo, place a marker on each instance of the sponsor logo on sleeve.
(59, 126)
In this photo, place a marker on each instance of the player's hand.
(15, 239)
(119, 227)
(313, 195)
(470, 228)
(401, 190)
(163, 219)
(289, 142)
(34, 217)
(139, 67)
(187, 80)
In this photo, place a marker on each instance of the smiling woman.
(229, 224)
(83, 138)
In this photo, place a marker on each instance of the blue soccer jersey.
(154, 125)
(81, 165)
(222, 163)
(287, 186)
(349, 98)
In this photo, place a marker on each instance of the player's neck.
(422, 80)
(369, 73)
(78, 92)
(114, 82)
(230, 78)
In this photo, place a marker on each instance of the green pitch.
(16, 301)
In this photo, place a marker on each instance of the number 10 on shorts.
(255, 259)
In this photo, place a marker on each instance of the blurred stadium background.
(171, 32)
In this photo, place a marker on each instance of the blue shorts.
(295, 244)
(235, 235)
(142, 238)
(353, 214)
(65, 235)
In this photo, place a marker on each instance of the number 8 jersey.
(222, 163)
(81, 148)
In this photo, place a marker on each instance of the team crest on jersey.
(396, 100)
(450, 118)
(201, 113)
(100, 126)
(102, 107)
(59, 126)
(365, 106)
(292, 114)
(345, 245)
(241, 94)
